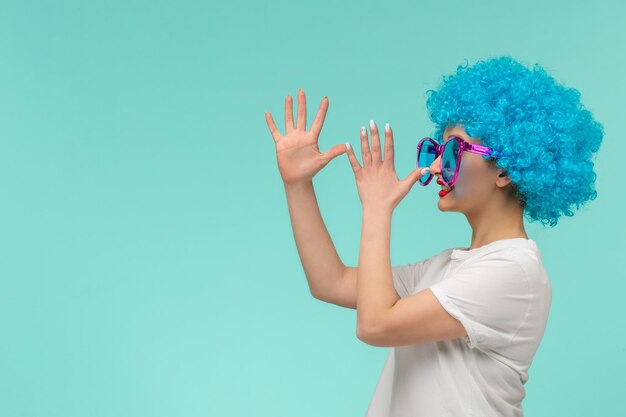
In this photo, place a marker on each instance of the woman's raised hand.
(297, 153)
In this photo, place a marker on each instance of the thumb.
(416, 175)
(334, 152)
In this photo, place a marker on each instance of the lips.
(443, 186)
(444, 190)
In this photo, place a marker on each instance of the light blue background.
(147, 263)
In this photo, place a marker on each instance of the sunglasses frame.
(464, 146)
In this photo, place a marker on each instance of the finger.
(365, 148)
(316, 126)
(376, 155)
(273, 129)
(389, 159)
(354, 163)
(414, 176)
(301, 122)
(288, 114)
(334, 152)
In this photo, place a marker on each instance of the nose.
(435, 167)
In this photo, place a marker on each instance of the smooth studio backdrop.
(147, 262)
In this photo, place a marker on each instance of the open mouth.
(444, 190)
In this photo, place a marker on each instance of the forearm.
(321, 263)
(375, 291)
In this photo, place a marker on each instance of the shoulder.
(530, 261)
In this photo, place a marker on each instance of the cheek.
(467, 183)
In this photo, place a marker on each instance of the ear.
(503, 179)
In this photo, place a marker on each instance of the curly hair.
(543, 135)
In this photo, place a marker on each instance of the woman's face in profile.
(476, 182)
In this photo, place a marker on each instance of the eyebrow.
(449, 136)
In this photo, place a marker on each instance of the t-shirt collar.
(462, 253)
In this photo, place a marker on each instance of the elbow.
(367, 334)
(313, 291)
(374, 334)
(360, 334)
(316, 294)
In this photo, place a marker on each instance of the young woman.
(464, 324)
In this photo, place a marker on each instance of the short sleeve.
(489, 296)
(406, 277)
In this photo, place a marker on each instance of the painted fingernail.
(363, 131)
(348, 147)
(425, 170)
(387, 128)
(372, 125)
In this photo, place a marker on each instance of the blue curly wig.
(544, 135)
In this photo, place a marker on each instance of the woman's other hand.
(297, 153)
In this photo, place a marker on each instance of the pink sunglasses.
(452, 151)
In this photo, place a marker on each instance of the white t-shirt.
(501, 294)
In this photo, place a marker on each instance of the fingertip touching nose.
(435, 166)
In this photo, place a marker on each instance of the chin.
(445, 206)
(446, 198)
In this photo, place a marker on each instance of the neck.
(496, 222)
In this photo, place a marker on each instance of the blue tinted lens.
(449, 160)
(426, 157)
